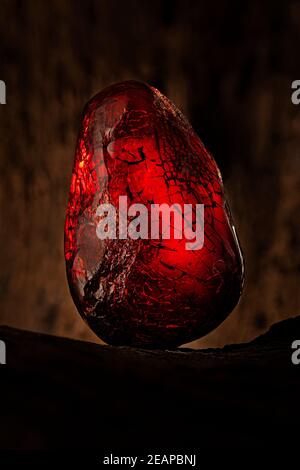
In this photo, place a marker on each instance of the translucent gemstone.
(133, 288)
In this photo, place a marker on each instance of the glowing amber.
(152, 293)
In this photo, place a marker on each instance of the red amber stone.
(144, 290)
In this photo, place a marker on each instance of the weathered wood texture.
(63, 393)
(229, 67)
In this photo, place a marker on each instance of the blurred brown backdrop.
(228, 65)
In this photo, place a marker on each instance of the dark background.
(227, 65)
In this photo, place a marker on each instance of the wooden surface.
(228, 66)
(62, 393)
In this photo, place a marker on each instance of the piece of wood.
(61, 393)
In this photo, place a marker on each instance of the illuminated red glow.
(153, 293)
